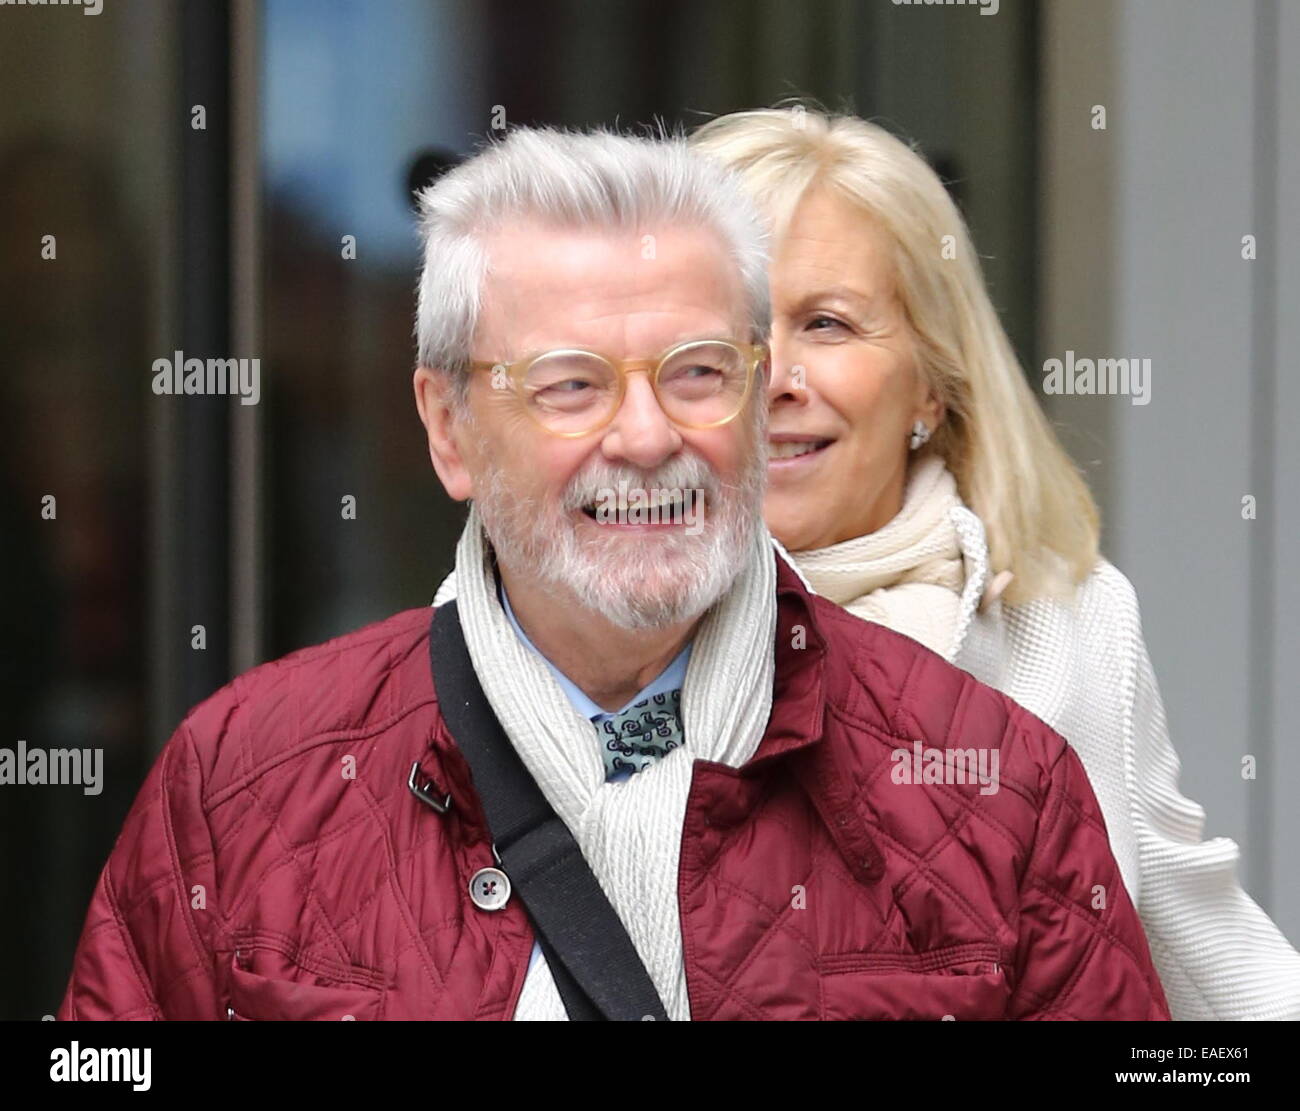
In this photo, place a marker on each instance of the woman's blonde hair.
(1040, 517)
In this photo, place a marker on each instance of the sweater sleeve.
(146, 947)
(1218, 954)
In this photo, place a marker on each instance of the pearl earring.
(920, 434)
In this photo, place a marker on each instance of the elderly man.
(635, 769)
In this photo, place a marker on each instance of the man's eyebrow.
(691, 335)
(697, 335)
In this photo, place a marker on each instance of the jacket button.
(489, 888)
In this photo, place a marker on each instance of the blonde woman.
(914, 480)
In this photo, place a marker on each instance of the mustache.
(687, 472)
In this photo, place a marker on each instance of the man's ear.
(433, 401)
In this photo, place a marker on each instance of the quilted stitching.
(884, 691)
(355, 881)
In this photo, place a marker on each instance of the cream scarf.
(907, 575)
(629, 832)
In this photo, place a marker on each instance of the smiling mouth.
(792, 449)
(667, 509)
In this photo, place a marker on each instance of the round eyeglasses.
(574, 391)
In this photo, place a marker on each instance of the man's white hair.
(595, 180)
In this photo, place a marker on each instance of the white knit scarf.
(629, 832)
(907, 575)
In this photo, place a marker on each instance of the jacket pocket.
(963, 983)
(257, 998)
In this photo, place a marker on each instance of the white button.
(489, 888)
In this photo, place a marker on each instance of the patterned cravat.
(635, 738)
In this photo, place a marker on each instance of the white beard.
(643, 581)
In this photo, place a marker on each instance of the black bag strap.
(593, 961)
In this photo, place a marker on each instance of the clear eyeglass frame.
(752, 356)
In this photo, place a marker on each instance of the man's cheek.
(554, 474)
(725, 456)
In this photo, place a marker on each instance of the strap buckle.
(421, 791)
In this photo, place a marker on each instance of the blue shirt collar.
(671, 678)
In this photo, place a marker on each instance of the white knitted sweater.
(1082, 667)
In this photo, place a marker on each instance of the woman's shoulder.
(1101, 613)
(1109, 594)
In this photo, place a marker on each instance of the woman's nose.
(788, 380)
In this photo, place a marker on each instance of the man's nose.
(641, 432)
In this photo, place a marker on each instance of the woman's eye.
(823, 323)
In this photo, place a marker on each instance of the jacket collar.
(798, 694)
(797, 727)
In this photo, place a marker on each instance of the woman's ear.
(433, 402)
(929, 407)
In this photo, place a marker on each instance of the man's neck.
(608, 663)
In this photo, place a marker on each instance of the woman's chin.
(787, 520)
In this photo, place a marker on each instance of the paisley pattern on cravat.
(638, 736)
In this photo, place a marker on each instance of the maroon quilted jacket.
(276, 866)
